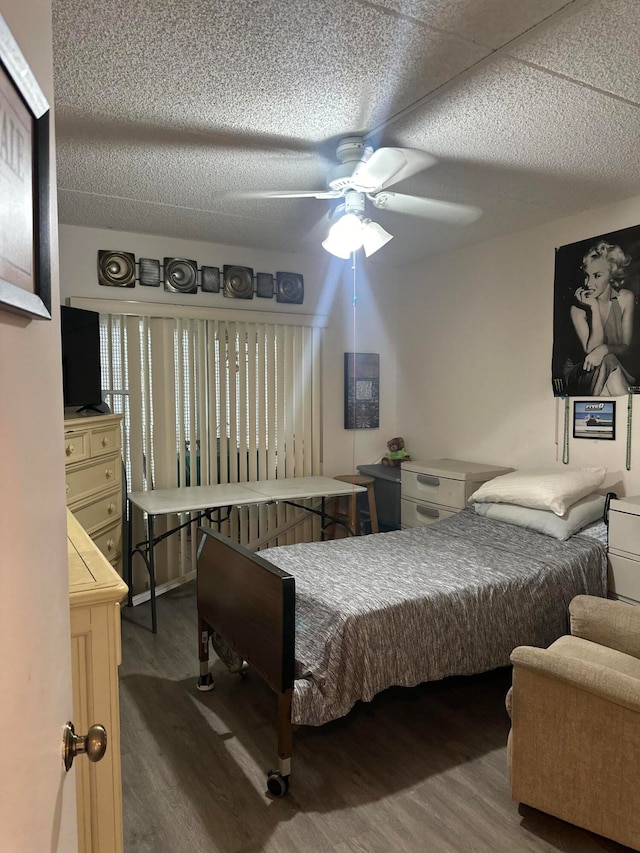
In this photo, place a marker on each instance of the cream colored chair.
(574, 745)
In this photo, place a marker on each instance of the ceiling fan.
(364, 174)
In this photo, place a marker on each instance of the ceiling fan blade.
(429, 208)
(289, 194)
(387, 166)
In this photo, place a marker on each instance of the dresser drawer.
(624, 577)
(92, 477)
(624, 532)
(419, 514)
(76, 446)
(105, 440)
(109, 541)
(98, 512)
(434, 489)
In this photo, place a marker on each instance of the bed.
(327, 624)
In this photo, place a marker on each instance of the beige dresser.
(438, 488)
(95, 592)
(94, 479)
(624, 549)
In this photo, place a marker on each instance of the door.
(37, 797)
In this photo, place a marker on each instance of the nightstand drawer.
(624, 577)
(624, 532)
(419, 514)
(434, 489)
(76, 446)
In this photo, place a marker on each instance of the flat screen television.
(81, 376)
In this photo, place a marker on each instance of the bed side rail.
(250, 603)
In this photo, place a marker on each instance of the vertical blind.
(213, 401)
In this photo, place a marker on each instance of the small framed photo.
(594, 419)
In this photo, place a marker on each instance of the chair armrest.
(608, 623)
(608, 684)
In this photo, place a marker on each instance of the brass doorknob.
(94, 743)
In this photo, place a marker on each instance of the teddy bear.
(396, 454)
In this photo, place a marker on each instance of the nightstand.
(438, 488)
(624, 549)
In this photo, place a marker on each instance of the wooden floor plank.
(420, 769)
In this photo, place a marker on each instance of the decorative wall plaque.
(238, 282)
(361, 390)
(180, 275)
(264, 285)
(290, 287)
(116, 269)
(149, 272)
(210, 279)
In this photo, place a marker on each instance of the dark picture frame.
(361, 390)
(594, 419)
(569, 377)
(25, 238)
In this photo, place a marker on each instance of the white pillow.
(541, 488)
(578, 516)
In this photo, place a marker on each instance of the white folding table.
(205, 499)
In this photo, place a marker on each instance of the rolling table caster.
(205, 683)
(205, 680)
(277, 784)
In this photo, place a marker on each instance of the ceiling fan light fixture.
(336, 248)
(374, 237)
(345, 236)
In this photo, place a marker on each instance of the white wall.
(37, 801)
(329, 288)
(474, 354)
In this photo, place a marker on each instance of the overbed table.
(203, 500)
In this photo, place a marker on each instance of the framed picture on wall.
(361, 390)
(25, 275)
(594, 419)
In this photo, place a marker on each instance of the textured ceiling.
(167, 111)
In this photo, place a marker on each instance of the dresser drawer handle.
(111, 508)
(70, 449)
(111, 544)
(428, 511)
(68, 488)
(108, 473)
(105, 441)
(428, 480)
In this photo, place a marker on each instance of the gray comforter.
(401, 608)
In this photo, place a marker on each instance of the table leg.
(152, 574)
(128, 555)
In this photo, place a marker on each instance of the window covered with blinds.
(214, 401)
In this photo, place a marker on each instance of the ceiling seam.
(163, 204)
(568, 10)
(576, 82)
(394, 13)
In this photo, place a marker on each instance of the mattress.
(405, 607)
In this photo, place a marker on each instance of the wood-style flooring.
(421, 769)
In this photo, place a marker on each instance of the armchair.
(574, 744)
